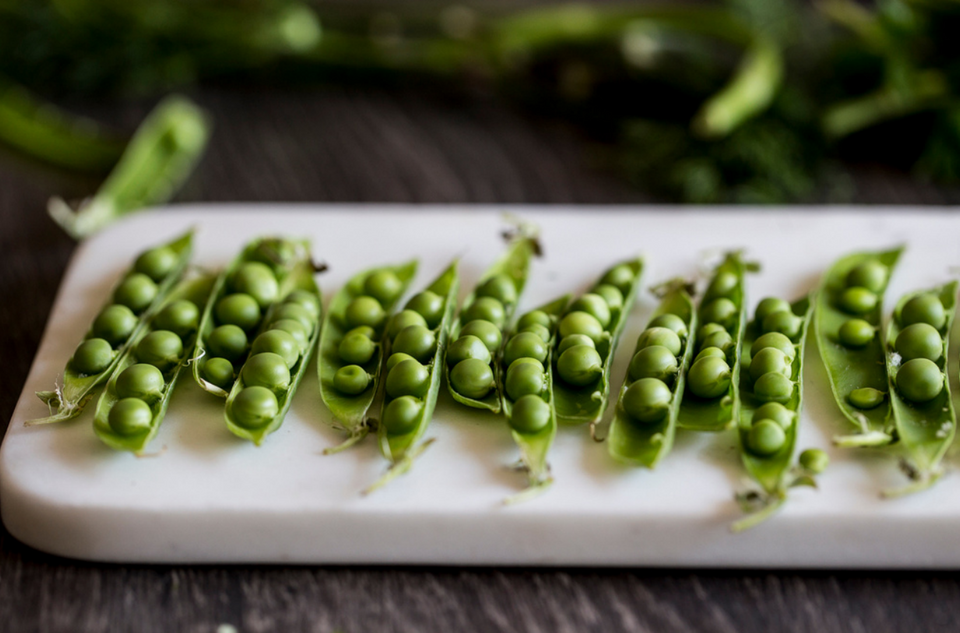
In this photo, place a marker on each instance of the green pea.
(130, 416)
(919, 341)
(219, 371)
(814, 460)
(766, 438)
(404, 319)
(647, 400)
(274, 251)
(540, 331)
(871, 275)
(363, 330)
(709, 378)
(429, 305)
(620, 277)
(401, 415)
(671, 322)
(294, 329)
(786, 323)
(472, 377)
(924, 308)
(499, 287)
(140, 381)
(721, 340)
(773, 411)
(384, 286)
(356, 349)
(530, 414)
(266, 370)
(711, 352)
(92, 356)
(115, 324)
(485, 331)
(160, 348)
(581, 323)
(306, 300)
(573, 340)
(258, 281)
(524, 345)
(227, 341)
(866, 398)
(773, 387)
(722, 285)
(156, 263)
(774, 340)
(594, 305)
(856, 333)
(523, 379)
(395, 359)
(364, 310)
(467, 347)
(417, 341)
(180, 317)
(660, 336)
(611, 295)
(136, 292)
(485, 309)
(770, 305)
(857, 300)
(254, 407)
(655, 361)
(722, 311)
(535, 317)
(580, 366)
(769, 360)
(351, 380)
(408, 378)
(238, 309)
(294, 312)
(919, 380)
(708, 329)
(282, 344)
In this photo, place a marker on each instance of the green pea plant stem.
(925, 430)
(851, 368)
(70, 398)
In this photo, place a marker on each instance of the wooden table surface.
(403, 145)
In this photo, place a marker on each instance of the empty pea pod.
(854, 359)
(133, 301)
(920, 401)
(145, 377)
(348, 386)
(644, 423)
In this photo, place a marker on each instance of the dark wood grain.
(402, 145)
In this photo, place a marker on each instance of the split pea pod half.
(132, 406)
(588, 333)
(476, 335)
(525, 378)
(917, 349)
(133, 301)
(351, 345)
(847, 320)
(411, 393)
(711, 397)
(771, 398)
(645, 421)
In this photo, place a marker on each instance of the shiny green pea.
(408, 378)
(238, 309)
(722, 285)
(871, 275)
(539, 330)
(485, 309)
(306, 300)
(404, 319)
(573, 340)
(524, 379)
(180, 317)
(351, 380)
(857, 300)
(765, 438)
(156, 263)
(294, 329)
(774, 340)
(722, 311)
(228, 341)
(219, 371)
(417, 341)
(709, 377)
(266, 370)
(711, 352)
(115, 324)
(294, 312)
(160, 348)
(254, 407)
(396, 359)
(530, 414)
(660, 336)
(283, 345)
(770, 305)
(919, 341)
(773, 411)
(363, 330)
(721, 340)
(140, 381)
(655, 361)
(769, 360)
(258, 281)
(856, 333)
(786, 323)
(429, 305)
(581, 323)
(866, 398)
(620, 277)
(136, 292)
(472, 378)
(130, 416)
(401, 415)
(356, 349)
(524, 345)
(647, 400)
(594, 305)
(814, 460)
(611, 295)
(671, 322)
(384, 286)
(499, 287)
(485, 331)
(924, 308)
(92, 356)
(709, 328)
(364, 310)
(919, 380)
(467, 347)
(773, 387)
(580, 366)
(537, 317)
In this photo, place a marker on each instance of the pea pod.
(581, 380)
(645, 421)
(711, 397)
(150, 384)
(143, 288)
(404, 418)
(258, 401)
(350, 409)
(856, 364)
(768, 420)
(534, 440)
(925, 427)
(492, 303)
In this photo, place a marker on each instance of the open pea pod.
(534, 440)
(925, 428)
(281, 257)
(404, 420)
(723, 299)
(350, 409)
(581, 393)
(855, 367)
(148, 392)
(639, 442)
(119, 322)
(261, 395)
(498, 291)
